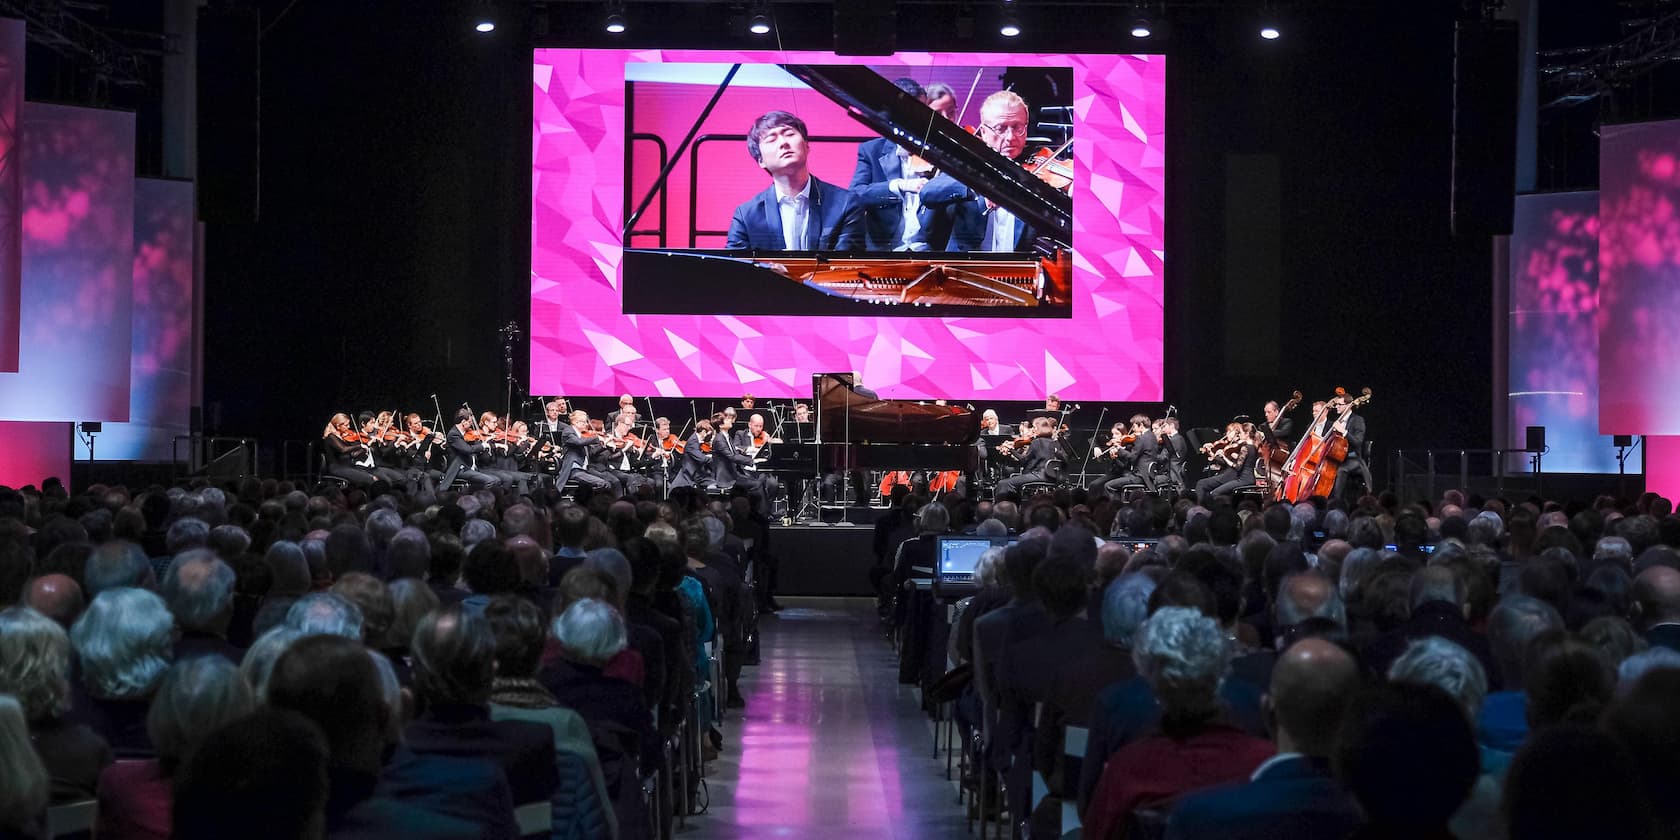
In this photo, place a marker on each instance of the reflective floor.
(830, 744)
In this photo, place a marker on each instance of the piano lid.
(879, 104)
(887, 421)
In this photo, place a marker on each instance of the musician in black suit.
(797, 212)
(1354, 464)
(1174, 449)
(696, 462)
(955, 217)
(420, 452)
(1241, 462)
(575, 451)
(756, 443)
(888, 187)
(730, 463)
(465, 456)
(1281, 425)
(1036, 460)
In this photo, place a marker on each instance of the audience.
(124, 643)
(24, 788)
(260, 777)
(1407, 754)
(34, 671)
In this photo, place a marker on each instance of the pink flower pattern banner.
(583, 344)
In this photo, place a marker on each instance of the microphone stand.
(510, 335)
(1084, 476)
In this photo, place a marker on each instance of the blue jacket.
(1294, 798)
(878, 164)
(836, 221)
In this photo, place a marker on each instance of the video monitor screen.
(710, 223)
(958, 557)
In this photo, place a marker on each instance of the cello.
(1313, 473)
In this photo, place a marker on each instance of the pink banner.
(1662, 465)
(11, 250)
(584, 344)
(77, 166)
(1639, 279)
(34, 452)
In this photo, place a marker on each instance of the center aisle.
(831, 745)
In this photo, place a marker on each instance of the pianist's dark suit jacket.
(883, 210)
(835, 221)
(954, 218)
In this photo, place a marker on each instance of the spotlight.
(615, 23)
(1141, 28)
(759, 24)
(1269, 32)
(485, 25)
(1010, 27)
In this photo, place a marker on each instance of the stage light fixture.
(1010, 27)
(759, 25)
(1141, 28)
(615, 23)
(1270, 32)
(485, 25)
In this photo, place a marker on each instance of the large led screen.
(160, 373)
(792, 237)
(1553, 359)
(1639, 279)
(77, 166)
(11, 270)
(34, 452)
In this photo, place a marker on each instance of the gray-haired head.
(992, 528)
(1355, 568)
(933, 518)
(34, 662)
(454, 655)
(1638, 665)
(381, 526)
(1304, 595)
(259, 659)
(124, 643)
(325, 613)
(1183, 655)
(1435, 661)
(1514, 622)
(1614, 550)
(288, 568)
(186, 532)
(195, 697)
(1438, 583)
(714, 530)
(116, 564)
(590, 630)
(1125, 607)
(613, 563)
(475, 532)
(199, 590)
(1485, 529)
(229, 541)
(409, 555)
(989, 571)
(1335, 524)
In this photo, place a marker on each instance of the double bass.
(1318, 457)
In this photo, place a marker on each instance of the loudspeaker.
(1536, 439)
(1622, 441)
(1484, 151)
(93, 427)
(866, 27)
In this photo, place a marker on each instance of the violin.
(672, 443)
(353, 436)
(1047, 167)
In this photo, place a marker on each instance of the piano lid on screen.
(879, 104)
(876, 420)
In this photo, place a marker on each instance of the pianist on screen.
(797, 212)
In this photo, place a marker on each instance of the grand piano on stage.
(857, 430)
(1035, 282)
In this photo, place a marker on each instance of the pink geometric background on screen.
(583, 344)
(1639, 279)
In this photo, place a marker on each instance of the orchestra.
(563, 448)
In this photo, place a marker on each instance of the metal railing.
(209, 454)
(1417, 473)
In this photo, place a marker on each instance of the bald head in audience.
(1311, 686)
(1656, 596)
(57, 597)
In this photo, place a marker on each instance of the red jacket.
(1159, 769)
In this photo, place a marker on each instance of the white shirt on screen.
(910, 207)
(796, 215)
(1000, 230)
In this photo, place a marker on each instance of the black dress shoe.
(736, 701)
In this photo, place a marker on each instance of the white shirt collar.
(802, 194)
(1271, 762)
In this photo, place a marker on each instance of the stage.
(824, 559)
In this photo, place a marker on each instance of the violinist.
(887, 183)
(623, 456)
(419, 450)
(381, 457)
(1036, 458)
(942, 100)
(755, 442)
(730, 463)
(696, 457)
(467, 456)
(1236, 455)
(1174, 449)
(578, 446)
(502, 464)
(346, 452)
(554, 419)
(626, 402)
(1130, 452)
(797, 212)
(958, 218)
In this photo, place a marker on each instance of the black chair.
(321, 467)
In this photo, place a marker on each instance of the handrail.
(1496, 459)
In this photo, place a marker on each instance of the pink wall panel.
(1662, 465)
(1639, 279)
(584, 344)
(11, 272)
(33, 452)
(78, 263)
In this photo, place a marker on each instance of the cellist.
(1352, 426)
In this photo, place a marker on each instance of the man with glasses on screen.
(955, 217)
(797, 212)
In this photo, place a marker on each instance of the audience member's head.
(324, 612)
(517, 627)
(259, 659)
(1643, 720)
(409, 554)
(454, 656)
(55, 596)
(372, 599)
(124, 643)
(1656, 597)
(196, 696)
(333, 682)
(1183, 655)
(590, 631)
(1566, 681)
(1125, 607)
(1304, 595)
(411, 600)
(1514, 623)
(1311, 686)
(34, 663)
(288, 568)
(1547, 794)
(117, 564)
(261, 777)
(1407, 753)
(1435, 661)
(199, 590)
(24, 782)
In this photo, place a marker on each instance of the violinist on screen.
(797, 212)
(955, 217)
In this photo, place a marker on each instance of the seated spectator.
(57, 597)
(196, 696)
(582, 803)
(1503, 723)
(124, 644)
(261, 777)
(34, 669)
(1439, 607)
(324, 612)
(288, 570)
(1407, 753)
(373, 599)
(117, 564)
(1643, 720)
(1183, 655)
(24, 787)
(1548, 796)
(1566, 681)
(454, 664)
(334, 682)
(1293, 794)
(258, 663)
(1614, 637)
(590, 633)
(1656, 606)
(199, 591)
(411, 600)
